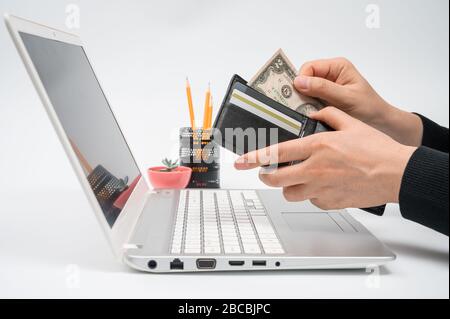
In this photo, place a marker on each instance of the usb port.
(259, 263)
(236, 263)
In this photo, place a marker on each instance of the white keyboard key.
(268, 242)
(192, 250)
(274, 251)
(247, 234)
(230, 227)
(232, 249)
(211, 234)
(268, 236)
(272, 246)
(252, 249)
(192, 241)
(229, 235)
(250, 194)
(228, 232)
(248, 238)
(227, 224)
(212, 250)
(263, 225)
(257, 212)
(212, 242)
(231, 243)
(211, 230)
(250, 242)
(192, 245)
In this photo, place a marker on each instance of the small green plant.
(170, 166)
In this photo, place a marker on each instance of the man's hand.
(355, 166)
(339, 83)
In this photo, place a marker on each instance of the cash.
(276, 80)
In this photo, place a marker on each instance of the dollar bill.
(276, 80)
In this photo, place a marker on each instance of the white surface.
(54, 248)
(142, 52)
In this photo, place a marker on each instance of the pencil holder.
(198, 152)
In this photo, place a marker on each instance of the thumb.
(321, 88)
(335, 118)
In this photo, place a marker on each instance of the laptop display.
(87, 120)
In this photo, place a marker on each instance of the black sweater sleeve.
(434, 136)
(424, 189)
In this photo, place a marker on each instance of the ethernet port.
(176, 264)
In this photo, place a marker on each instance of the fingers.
(317, 79)
(285, 176)
(324, 89)
(335, 118)
(293, 150)
(297, 149)
(329, 69)
(325, 204)
(297, 193)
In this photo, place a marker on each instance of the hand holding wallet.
(248, 120)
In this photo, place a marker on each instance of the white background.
(142, 51)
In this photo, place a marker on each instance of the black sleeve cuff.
(424, 189)
(434, 135)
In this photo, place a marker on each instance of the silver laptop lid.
(87, 120)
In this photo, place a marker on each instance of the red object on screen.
(123, 198)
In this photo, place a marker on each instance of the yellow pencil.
(206, 109)
(210, 111)
(191, 106)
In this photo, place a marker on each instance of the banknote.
(276, 80)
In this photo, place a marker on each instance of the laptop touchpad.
(326, 222)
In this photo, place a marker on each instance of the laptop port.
(152, 264)
(236, 263)
(206, 263)
(259, 263)
(177, 264)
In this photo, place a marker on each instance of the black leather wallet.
(245, 109)
(248, 120)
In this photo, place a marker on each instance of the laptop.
(189, 230)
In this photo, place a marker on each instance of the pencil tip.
(187, 81)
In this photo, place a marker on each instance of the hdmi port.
(236, 263)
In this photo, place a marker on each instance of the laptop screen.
(87, 120)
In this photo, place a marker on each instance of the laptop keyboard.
(223, 222)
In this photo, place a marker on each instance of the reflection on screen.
(87, 120)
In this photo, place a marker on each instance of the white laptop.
(175, 230)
